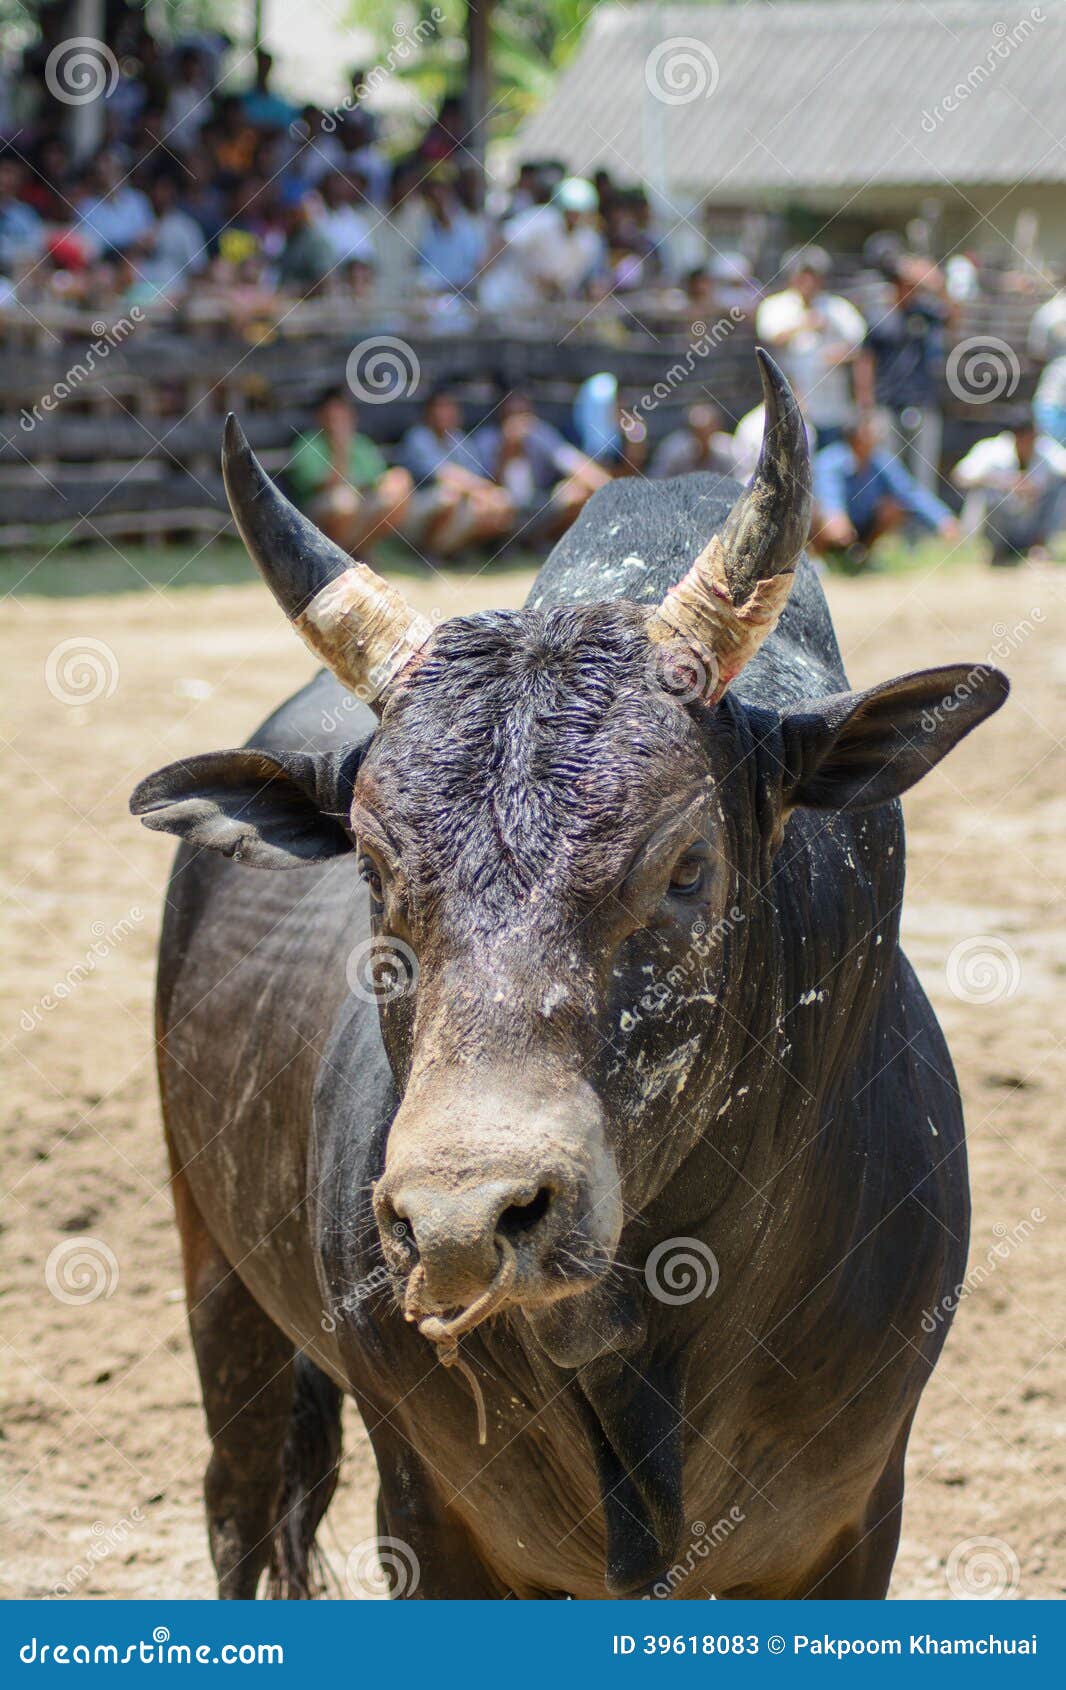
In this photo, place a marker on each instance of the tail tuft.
(311, 1462)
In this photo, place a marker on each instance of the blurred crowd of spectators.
(201, 192)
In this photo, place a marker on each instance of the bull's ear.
(858, 749)
(272, 810)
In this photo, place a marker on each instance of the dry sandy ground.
(103, 1443)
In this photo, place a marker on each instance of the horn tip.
(233, 436)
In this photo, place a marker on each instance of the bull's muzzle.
(478, 1179)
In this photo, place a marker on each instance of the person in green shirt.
(342, 481)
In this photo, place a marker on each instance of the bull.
(569, 1102)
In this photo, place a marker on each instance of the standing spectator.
(189, 103)
(1018, 476)
(701, 444)
(263, 108)
(1047, 331)
(548, 479)
(907, 343)
(455, 502)
(861, 493)
(341, 479)
(818, 337)
(1049, 401)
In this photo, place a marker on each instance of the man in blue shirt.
(862, 492)
(907, 342)
(455, 503)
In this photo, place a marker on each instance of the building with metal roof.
(836, 111)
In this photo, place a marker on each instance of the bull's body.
(828, 1178)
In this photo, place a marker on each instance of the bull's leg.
(431, 1555)
(246, 1378)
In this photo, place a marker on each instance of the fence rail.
(124, 437)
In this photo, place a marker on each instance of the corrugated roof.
(731, 100)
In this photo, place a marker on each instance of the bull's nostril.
(521, 1218)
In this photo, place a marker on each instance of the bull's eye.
(369, 871)
(689, 876)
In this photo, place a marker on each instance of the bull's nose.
(456, 1231)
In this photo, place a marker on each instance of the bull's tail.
(311, 1464)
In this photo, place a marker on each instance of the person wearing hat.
(549, 252)
(817, 338)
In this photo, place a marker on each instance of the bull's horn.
(358, 625)
(735, 591)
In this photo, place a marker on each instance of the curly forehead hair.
(523, 744)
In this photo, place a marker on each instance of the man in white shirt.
(549, 251)
(174, 251)
(348, 221)
(817, 338)
(1017, 479)
(1047, 331)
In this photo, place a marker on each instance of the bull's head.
(556, 806)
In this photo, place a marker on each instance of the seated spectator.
(548, 479)
(189, 102)
(112, 214)
(341, 479)
(455, 503)
(173, 252)
(862, 493)
(817, 338)
(348, 221)
(453, 242)
(22, 232)
(701, 444)
(1018, 478)
(307, 255)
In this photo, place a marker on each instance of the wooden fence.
(114, 428)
